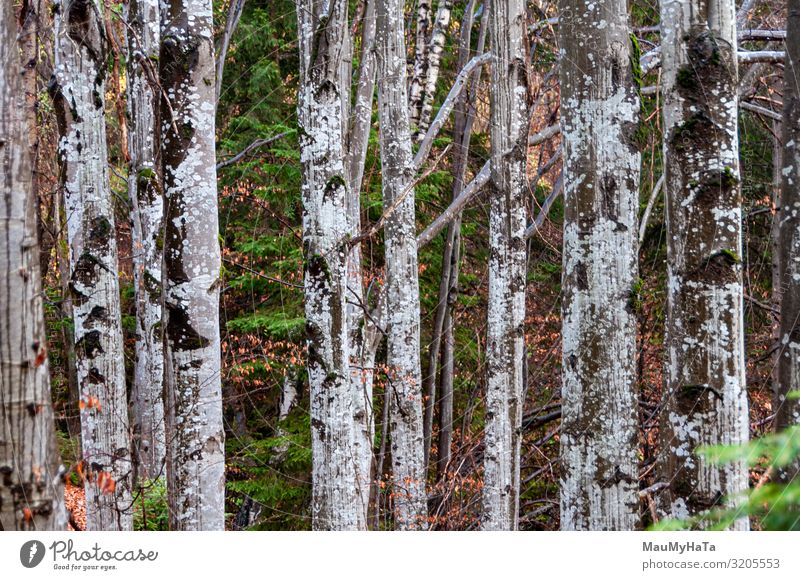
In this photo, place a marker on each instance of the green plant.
(770, 505)
(150, 509)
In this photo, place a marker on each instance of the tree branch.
(446, 108)
(254, 145)
(456, 207)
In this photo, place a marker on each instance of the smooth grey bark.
(505, 334)
(322, 45)
(788, 216)
(599, 118)
(404, 387)
(78, 90)
(705, 392)
(235, 9)
(31, 486)
(363, 337)
(191, 272)
(144, 191)
(29, 47)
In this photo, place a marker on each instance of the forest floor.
(75, 500)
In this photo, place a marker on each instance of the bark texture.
(706, 397)
(505, 340)
(193, 391)
(788, 369)
(323, 45)
(31, 486)
(600, 113)
(144, 190)
(363, 336)
(78, 90)
(404, 388)
(433, 64)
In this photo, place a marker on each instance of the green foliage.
(150, 509)
(277, 468)
(773, 506)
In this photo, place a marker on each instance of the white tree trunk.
(79, 95)
(505, 334)
(788, 368)
(706, 398)
(404, 388)
(416, 86)
(323, 35)
(362, 349)
(193, 390)
(433, 65)
(143, 35)
(599, 118)
(31, 488)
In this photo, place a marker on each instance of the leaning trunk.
(79, 95)
(193, 390)
(599, 482)
(31, 487)
(404, 388)
(505, 332)
(706, 397)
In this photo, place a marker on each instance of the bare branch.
(254, 145)
(447, 107)
(456, 207)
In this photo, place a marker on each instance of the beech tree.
(144, 189)
(705, 398)
(404, 389)
(363, 335)
(505, 340)
(322, 31)
(78, 90)
(788, 220)
(31, 484)
(599, 115)
(193, 388)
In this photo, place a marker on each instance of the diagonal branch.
(447, 107)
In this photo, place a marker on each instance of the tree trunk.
(788, 410)
(600, 114)
(148, 213)
(464, 117)
(31, 487)
(402, 282)
(193, 391)
(505, 340)
(235, 8)
(79, 97)
(323, 32)
(706, 396)
(29, 46)
(433, 65)
(361, 351)
(416, 88)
